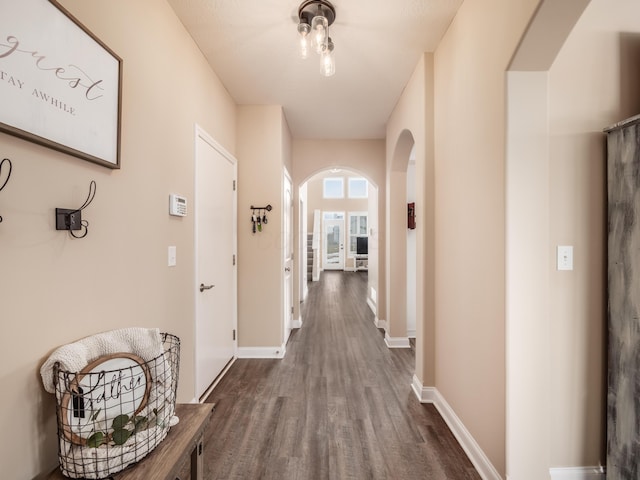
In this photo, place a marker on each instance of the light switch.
(172, 256)
(565, 257)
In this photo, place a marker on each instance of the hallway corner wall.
(262, 152)
(469, 89)
(57, 289)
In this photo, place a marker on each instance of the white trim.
(262, 352)
(208, 391)
(480, 461)
(380, 323)
(577, 473)
(296, 323)
(396, 342)
(372, 306)
(478, 458)
(424, 394)
(411, 333)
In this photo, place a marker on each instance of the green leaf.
(120, 421)
(96, 440)
(120, 436)
(141, 423)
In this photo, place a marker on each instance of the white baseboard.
(480, 461)
(296, 323)
(424, 394)
(577, 473)
(372, 306)
(396, 342)
(380, 323)
(262, 352)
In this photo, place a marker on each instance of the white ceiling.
(252, 45)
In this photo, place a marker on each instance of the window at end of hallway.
(358, 187)
(333, 187)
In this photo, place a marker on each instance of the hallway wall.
(410, 128)
(587, 92)
(264, 147)
(454, 106)
(56, 289)
(470, 64)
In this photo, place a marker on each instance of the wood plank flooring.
(338, 406)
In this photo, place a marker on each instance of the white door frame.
(287, 254)
(201, 134)
(341, 256)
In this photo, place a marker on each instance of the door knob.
(204, 287)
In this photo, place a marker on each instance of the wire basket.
(115, 411)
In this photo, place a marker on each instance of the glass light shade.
(320, 32)
(327, 61)
(303, 30)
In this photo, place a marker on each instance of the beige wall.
(470, 65)
(263, 146)
(315, 196)
(411, 126)
(366, 157)
(559, 115)
(56, 289)
(587, 92)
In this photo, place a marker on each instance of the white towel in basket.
(73, 357)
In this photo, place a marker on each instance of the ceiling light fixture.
(314, 19)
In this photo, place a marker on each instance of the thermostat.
(177, 205)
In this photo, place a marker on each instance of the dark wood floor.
(338, 406)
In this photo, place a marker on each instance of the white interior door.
(333, 244)
(215, 282)
(287, 219)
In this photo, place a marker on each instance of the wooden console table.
(168, 460)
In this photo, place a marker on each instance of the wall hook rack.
(71, 219)
(259, 217)
(5, 161)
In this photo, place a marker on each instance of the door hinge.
(234, 334)
(291, 310)
(234, 185)
(234, 259)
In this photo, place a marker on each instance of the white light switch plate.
(565, 257)
(172, 256)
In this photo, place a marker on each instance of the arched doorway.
(396, 335)
(339, 196)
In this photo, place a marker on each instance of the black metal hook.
(5, 160)
(71, 219)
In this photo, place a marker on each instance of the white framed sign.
(112, 386)
(60, 86)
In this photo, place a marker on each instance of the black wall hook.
(5, 161)
(257, 220)
(71, 219)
